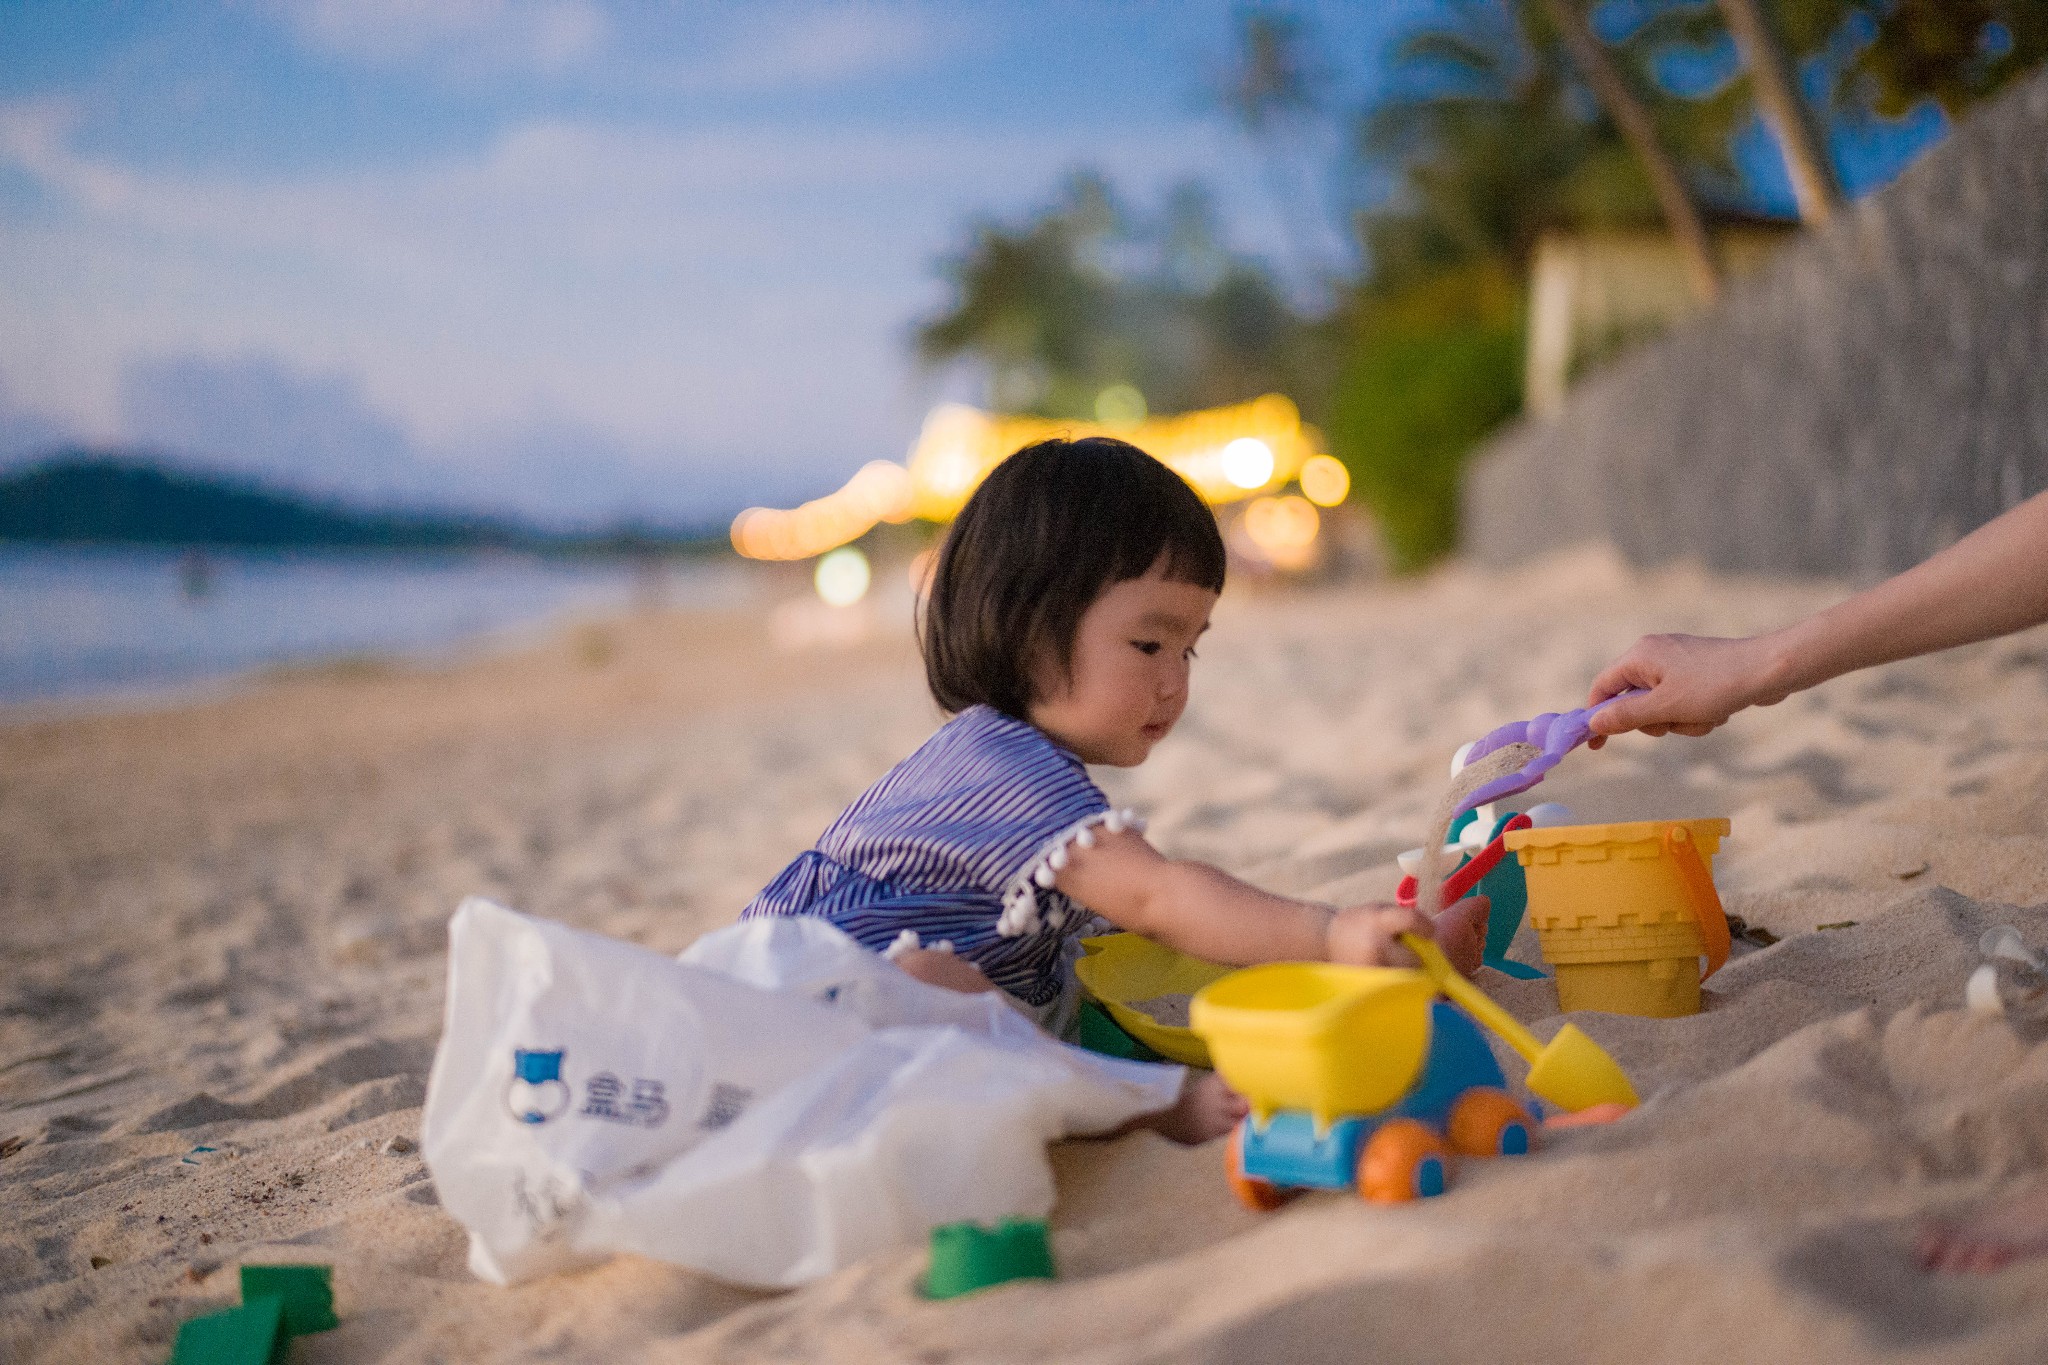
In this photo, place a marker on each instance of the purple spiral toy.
(1555, 733)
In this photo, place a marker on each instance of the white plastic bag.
(770, 1108)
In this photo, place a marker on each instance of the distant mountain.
(84, 497)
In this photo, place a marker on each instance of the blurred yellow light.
(1248, 462)
(1283, 530)
(843, 576)
(1223, 453)
(1120, 405)
(1325, 481)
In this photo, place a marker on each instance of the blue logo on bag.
(537, 1092)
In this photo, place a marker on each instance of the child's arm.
(1991, 582)
(1205, 913)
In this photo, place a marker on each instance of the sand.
(222, 976)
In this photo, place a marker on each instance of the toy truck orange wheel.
(1402, 1161)
(1487, 1122)
(1255, 1194)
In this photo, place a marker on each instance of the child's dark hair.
(1047, 532)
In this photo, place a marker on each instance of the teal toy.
(1501, 880)
(1507, 889)
(967, 1256)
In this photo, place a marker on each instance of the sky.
(572, 260)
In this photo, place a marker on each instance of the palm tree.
(1800, 138)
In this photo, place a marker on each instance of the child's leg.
(1207, 1108)
(935, 967)
(1991, 1240)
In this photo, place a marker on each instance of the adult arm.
(1991, 582)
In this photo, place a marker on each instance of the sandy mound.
(223, 975)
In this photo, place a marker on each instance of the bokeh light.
(1283, 530)
(1225, 454)
(1248, 462)
(843, 576)
(1120, 405)
(1325, 481)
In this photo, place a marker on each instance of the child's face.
(1129, 681)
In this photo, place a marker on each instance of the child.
(1061, 623)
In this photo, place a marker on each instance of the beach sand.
(221, 982)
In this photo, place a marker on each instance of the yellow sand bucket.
(1625, 912)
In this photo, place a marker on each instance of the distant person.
(1060, 629)
(1991, 582)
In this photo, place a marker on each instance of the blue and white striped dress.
(946, 844)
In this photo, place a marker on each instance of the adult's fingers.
(1630, 713)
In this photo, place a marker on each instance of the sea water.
(106, 623)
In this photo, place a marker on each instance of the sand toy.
(1488, 872)
(967, 1257)
(279, 1302)
(1146, 988)
(1356, 1077)
(1625, 912)
(1571, 1070)
(1553, 734)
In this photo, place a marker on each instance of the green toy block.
(250, 1335)
(967, 1256)
(1100, 1033)
(307, 1292)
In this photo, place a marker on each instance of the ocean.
(113, 624)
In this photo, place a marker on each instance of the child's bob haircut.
(1047, 532)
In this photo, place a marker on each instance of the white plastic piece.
(1458, 758)
(1981, 991)
(1474, 838)
(2004, 941)
(1548, 815)
(591, 1097)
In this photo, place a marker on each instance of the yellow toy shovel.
(1571, 1071)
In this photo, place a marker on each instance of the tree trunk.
(1681, 215)
(1800, 138)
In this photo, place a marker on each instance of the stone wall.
(1876, 392)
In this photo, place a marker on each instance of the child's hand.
(1369, 935)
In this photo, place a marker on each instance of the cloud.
(772, 48)
(718, 307)
(545, 36)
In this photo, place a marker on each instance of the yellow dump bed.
(1316, 1036)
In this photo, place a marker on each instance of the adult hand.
(1694, 683)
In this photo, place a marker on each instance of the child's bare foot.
(1461, 932)
(1207, 1108)
(1990, 1241)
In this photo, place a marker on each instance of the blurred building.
(1591, 294)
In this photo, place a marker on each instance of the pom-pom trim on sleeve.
(1021, 910)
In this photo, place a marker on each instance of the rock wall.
(1878, 391)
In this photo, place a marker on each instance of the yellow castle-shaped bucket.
(1626, 912)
